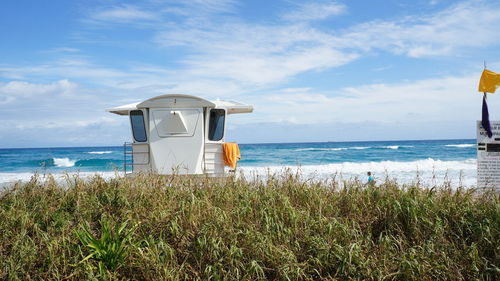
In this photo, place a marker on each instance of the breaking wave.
(332, 148)
(428, 169)
(321, 149)
(64, 162)
(394, 147)
(423, 165)
(391, 147)
(100, 152)
(460, 145)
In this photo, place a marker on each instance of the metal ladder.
(128, 157)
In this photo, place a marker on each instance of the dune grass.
(283, 228)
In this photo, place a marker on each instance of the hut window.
(216, 124)
(138, 127)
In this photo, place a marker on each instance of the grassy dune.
(181, 228)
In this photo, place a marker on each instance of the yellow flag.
(489, 82)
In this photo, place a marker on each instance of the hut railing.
(128, 157)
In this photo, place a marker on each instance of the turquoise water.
(338, 152)
(407, 158)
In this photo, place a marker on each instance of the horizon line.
(354, 141)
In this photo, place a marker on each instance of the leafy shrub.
(110, 249)
(153, 227)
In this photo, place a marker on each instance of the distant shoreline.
(259, 143)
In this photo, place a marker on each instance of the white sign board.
(488, 156)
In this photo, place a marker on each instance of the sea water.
(427, 161)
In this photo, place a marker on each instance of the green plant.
(280, 228)
(110, 249)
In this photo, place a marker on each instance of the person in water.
(370, 178)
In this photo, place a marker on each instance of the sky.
(313, 70)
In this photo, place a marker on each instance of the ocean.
(428, 161)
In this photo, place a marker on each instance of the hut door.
(176, 140)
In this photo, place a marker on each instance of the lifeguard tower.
(179, 134)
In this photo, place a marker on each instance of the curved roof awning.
(233, 107)
(123, 109)
(175, 101)
(182, 101)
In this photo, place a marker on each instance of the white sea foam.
(429, 171)
(64, 162)
(321, 149)
(7, 179)
(392, 147)
(460, 145)
(331, 149)
(100, 152)
(388, 166)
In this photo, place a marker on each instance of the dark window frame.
(214, 122)
(134, 113)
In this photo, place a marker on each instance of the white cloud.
(222, 56)
(64, 124)
(226, 50)
(81, 69)
(453, 98)
(309, 11)
(265, 69)
(464, 25)
(194, 8)
(57, 113)
(157, 11)
(208, 6)
(15, 90)
(64, 50)
(255, 54)
(295, 90)
(122, 14)
(241, 56)
(272, 53)
(221, 47)
(122, 85)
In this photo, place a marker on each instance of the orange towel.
(231, 154)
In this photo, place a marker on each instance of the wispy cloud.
(62, 124)
(214, 53)
(272, 53)
(255, 54)
(203, 6)
(157, 11)
(122, 14)
(449, 98)
(311, 11)
(466, 24)
(139, 81)
(15, 90)
(243, 55)
(224, 49)
(82, 69)
(63, 50)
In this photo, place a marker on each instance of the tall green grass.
(154, 227)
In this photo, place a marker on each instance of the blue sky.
(313, 70)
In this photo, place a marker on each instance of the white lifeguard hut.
(179, 134)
